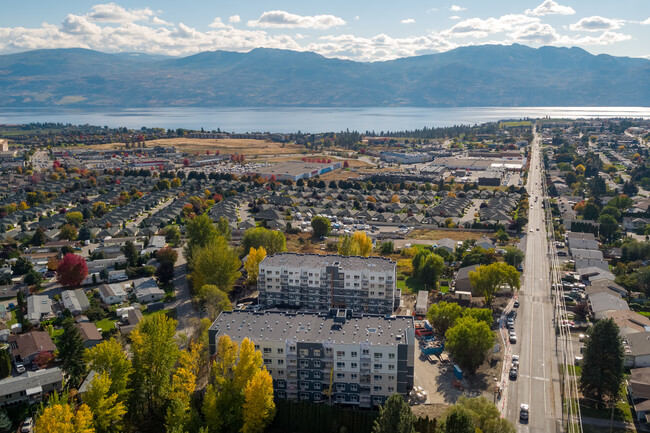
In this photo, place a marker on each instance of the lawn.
(13, 320)
(516, 123)
(106, 324)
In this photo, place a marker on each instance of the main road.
(537, 384)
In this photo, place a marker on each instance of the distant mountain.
(487, 75)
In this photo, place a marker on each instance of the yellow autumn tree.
(255, 257)
(183, 386)
(580, 169)
(22, 206)
(364, 242)
(107, 411)
(394, 199)
(60, 418)
(259, 408)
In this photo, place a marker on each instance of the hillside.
(488, 75)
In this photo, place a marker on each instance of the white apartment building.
(348, 358)
(321, 282)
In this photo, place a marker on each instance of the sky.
(361, 30)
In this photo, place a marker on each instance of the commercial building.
(321, 282)
(405, 158)
(336, 356)
(294, 170)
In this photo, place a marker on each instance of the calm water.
(305, 119)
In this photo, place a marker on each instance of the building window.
(378, 355)
(353, 365)
(391, 356)
(316, 352)
(317, 375)
(377, 377)
(281, 383)
(304, 363)
(267, 350)
(340, 365)
(340, 375)
(267, 361)
(391, 389)
(316, 364)
(353, 354)
(340, 354)
(282, 394)
(280, 351)
(354, 387)
(376, 388)
(280, 361)
(391, 367)
(353, 376)
(377, 366)
(391, 377)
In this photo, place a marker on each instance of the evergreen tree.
(71, 351)
(5, 363)
(395, 416)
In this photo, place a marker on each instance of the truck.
(422, 303)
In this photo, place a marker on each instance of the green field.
(516, 123)
(106, 324)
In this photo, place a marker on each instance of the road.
(538, 382)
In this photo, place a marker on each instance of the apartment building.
(348, 358)
(321, 282)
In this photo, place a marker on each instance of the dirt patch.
(226, 145)
(432, 234)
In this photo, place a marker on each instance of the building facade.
(321, 282)
(338, 356)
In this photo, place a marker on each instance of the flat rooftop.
(314, 327)
(346, 263)
(292, 168)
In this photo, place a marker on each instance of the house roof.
(29, 380)
(464, 272)
(25, 345)
(88, 331)
(604, 301)
(638, 343)
(639, 381)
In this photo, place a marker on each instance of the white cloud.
(550, 7)
(160, 22)
(234, 19)
(432, 10)
(218, 24)
(454, 17)
(114, 13)
(456, 8)
(356, 18)
(283, 19)
(645, 22)
(597, 24)
(481, 28)
(408, 21)
(534, 33)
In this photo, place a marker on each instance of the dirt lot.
(457, 235)
(245, 146)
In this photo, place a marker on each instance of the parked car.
(513, 373)
(513, 339)
(516, 304)
(20, 368)
(27, 426)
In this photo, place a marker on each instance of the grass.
(106, 324)
(644, 313)
(13, 320)
(574, 370)
(516, 123)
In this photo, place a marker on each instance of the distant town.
(488, 278)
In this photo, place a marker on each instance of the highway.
(537, 384)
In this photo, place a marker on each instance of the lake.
(305, 119)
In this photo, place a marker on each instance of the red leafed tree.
(273, 178)
(56, 164)
(329, 161)
(72, 270)
(217, 152)
(346, 164)
(186, 162)
(362, 151)
(207, 152)
(44, 359)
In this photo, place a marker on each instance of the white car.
(20, 368)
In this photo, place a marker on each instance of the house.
(133, 317)
(25, 347)
(485, 243)
(446, 244)
(147, 290)
(112, 293)
(157, 242)
(629, 322)
(31, 386)
(462, 278)
(605, 286)
(603, 303)
(89, 333)
(75, 301)
(638, 388)
(637, 349)
(38, 307)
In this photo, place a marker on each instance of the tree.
(216, 264)
(5, 422)
(347, 247)
(68, 232)
(431, 270)
(38, 238)
(213, 300)
(61, 418)
(484, 415)
(166, 257)
(458, 420)
(200, 232)
(5, 363)
(71, 350)
(22, 266)
(255, 257)
(34, 278)
(104, 274)
(513, 256)
(155, 353)
(468, 342)
(486, 280)
(84, 234)
(108, 358)
(272, 241)
(182, 388)
(173, 236)
(359, 244)
(603, 362)
(74, 218)
(131, 253)
(223, 228)
(395, 416)
(259, 408)
(608, 227)
(72, 270)
(387, 247)
(443, 315)
(591, 212)
(107, 411)
(321, 226)
(480, 314)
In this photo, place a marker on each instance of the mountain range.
(486, 75)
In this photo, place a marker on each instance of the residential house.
(485, 243)
(637, 349)
(75, 301)
(603, 303)
(112, 293)
(462, 279)
(629, 322)
(446, 244)
(147, 290)
(638, 388)
(30, 387)
(89, 333)
(25, 347)
(133, 317)
(38, 308)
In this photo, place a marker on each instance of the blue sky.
(359, 30)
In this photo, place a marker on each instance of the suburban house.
(629, 322)
(133, 317)
(25, 347)
(112, 293)
(638, 388)
(147, 290)
(89, 333)
(602, 303)
(31, 386)
(637, 349)
(75, 300)
(446, 244)
(462, 279)
(38, 307)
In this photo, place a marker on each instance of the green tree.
(486, 280)
(213, 301)
(513, 256)
(131, 253)
(480, 314)
(108, 357)
(443, 315)
(38, 238)
(603, 362)
(485, 415)
(71, 350)
(387, 247)
(395, 416)
(5, 422)
(458, 420)
(321, 226)
(84, 234)
(173, 236)
(468, 342)
(103, 274)
(154, 356)
(591, 212)
(5, 363)
(608, 227)
(106, 409)
(68, 232)
(167, 258)
(200, 232)
(22, 266)
(216, 264)
(223, 228)
(272, 241)
(74, 218)
(431, 270)
(34, 278)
